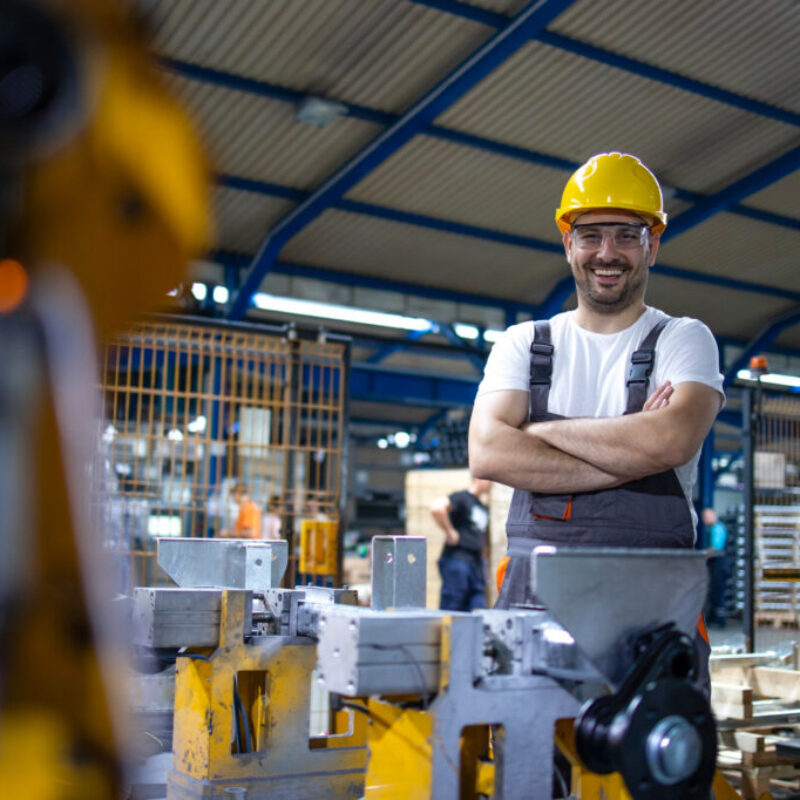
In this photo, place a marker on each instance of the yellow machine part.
(125, 203)
(318, 547)
(121, 203)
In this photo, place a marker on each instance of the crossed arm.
(582, 455)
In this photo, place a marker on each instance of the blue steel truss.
(564, 288)
(532, 19)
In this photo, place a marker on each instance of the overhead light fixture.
(383, 444)
(310, 308)
(175, 435)
(775, 378)
(465, 331)
(220, 294)
(402, 439)
(318, 111)
(492, 335)
(199, 291)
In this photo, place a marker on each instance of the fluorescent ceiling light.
(310, 308)
(200, 291)
(220, 294)
(383, 444)
(465, 331)
(774, 378)
(492, 335)
(402, 439)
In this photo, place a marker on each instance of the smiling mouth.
(606, 272)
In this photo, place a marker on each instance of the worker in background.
(718, 568)
(596, 417)
(248, 520)
(464, 518)
(271, 522)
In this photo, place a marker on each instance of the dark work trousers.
(650, 512)
(463, 584)
(718, 570)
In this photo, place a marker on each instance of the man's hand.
(659, 398)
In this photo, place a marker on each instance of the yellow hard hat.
(612, 180)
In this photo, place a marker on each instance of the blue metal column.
(531, 20)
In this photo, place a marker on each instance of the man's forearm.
(517, 459)
(632, 446)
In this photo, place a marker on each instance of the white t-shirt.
(590, 369)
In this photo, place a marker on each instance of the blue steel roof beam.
(261, 88)
(477, 359)
(641, 68)
(530, 21)
(387, 350)
(730, 195)
(761, 341)
(377, 384)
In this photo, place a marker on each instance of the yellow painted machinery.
(243, 693)
(102, 201)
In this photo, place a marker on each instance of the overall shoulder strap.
(541, 369)
(642, 360)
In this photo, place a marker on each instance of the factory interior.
(256, 255)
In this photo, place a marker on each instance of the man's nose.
(607, 247)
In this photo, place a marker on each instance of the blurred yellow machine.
(104, 197)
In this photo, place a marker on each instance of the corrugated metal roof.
(242, 218)
(726, 312)
(739, 46)
(415, 255)
(261, 139)
(780, 198)
(565, 105)
(380, 53)
(737, 247)
(445, 180)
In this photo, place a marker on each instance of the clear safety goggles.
(623, 235)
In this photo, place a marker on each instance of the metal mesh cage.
(209, 431)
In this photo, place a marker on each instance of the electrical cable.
(240, 716)
(415, 665)
(355, 707)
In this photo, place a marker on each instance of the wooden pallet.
(740, 689)
(777, 619)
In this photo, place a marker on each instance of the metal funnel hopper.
(606, 597)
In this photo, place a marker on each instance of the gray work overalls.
(648, 512)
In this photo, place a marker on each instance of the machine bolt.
(673, 750)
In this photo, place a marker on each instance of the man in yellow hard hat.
(596, 416)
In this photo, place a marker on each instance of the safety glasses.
(623, 235)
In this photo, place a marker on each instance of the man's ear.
(566, 238)
(655, 241)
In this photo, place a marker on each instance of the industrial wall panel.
(733, 246)
(260, 138)
(566, 105)
(355, 243)
(242, 218)
(738, 46)
(380, 53)
(726, 312)
(462, 184)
